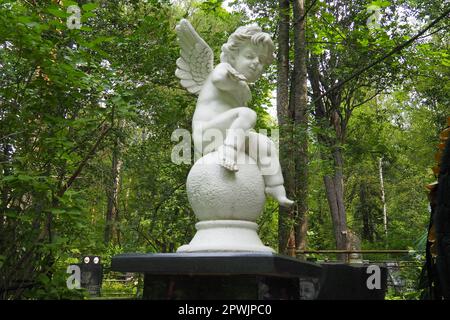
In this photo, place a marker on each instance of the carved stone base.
(225, 235)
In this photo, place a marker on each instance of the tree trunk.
(367, 230)
(7, 170)
(383, 199)
(338, 181)
(112, 194)
(293, 121)
(334, 184)
(299, 103)
(284, 229)
(337, 216)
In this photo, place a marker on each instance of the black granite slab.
(220, 287)
(341, 281)
(247, 275)
(218, 263)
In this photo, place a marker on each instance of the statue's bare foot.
(227, 156)
(279, 194)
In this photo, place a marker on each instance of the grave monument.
(236, 168)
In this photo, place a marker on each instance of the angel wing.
(197, 58)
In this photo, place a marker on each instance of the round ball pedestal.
(227, 205)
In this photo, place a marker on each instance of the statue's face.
(248, 62)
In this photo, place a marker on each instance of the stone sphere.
(216, 193)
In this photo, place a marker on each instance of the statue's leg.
(263, 150)
(242, 117)
(234, 123)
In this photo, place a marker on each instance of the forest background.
(359, 92)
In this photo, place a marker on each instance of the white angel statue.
(223, 94)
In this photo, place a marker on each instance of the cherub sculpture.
(223, 93)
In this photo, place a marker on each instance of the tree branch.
(83, 163)
(395, 50)
(368, 99)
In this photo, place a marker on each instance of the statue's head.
(248, 50)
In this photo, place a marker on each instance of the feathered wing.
(197, 58)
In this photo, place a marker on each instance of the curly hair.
(248, 34)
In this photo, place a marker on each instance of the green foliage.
(73, 100)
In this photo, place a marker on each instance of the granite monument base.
(247, 276)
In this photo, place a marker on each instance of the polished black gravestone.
(341, 281)
(245, 276)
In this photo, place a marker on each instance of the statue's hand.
(234, 75)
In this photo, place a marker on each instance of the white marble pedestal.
(227, 205)
(225, 235)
